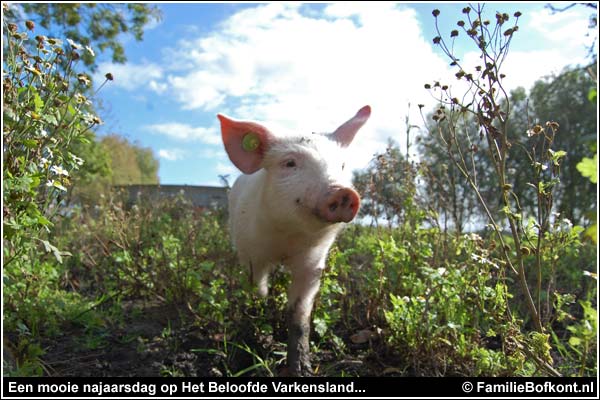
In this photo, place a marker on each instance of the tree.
(98, 25)
(130, 163)
(388, 188)
(447, 193)
(564, 100)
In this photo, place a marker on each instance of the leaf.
(59, 186)
(50, 118)
(47, 246)
(588, 168)
(30, 143)
(38, 103)
(574, 341)
(55, 251)
(593, 95)
(44, 221)
(555, 156)
(9, 113)
(592, 233)
(320, 326)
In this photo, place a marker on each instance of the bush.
(45, 114)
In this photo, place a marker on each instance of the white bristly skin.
(286, 212)
(272, 216)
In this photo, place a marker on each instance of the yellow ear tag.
(250, 142)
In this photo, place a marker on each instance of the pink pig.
(288, 209)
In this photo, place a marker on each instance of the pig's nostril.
(333, 206)
(345, 200)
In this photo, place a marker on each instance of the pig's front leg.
(303, 289)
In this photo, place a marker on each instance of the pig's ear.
(345, 133)
(245, 143)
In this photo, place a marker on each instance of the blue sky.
(301, 67)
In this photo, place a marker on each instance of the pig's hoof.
(298, 370)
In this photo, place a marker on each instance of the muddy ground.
(160, 340)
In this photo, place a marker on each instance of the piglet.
(287, 209)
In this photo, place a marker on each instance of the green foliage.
(527, 172)
(388, 188)
(100, 26)
(588, 167)
(563, 99)
(130, 163)
(44, 116)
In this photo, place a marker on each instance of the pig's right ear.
(245, 143)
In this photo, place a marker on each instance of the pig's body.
(263, 242)
(288, 210)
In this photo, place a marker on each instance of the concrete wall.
(199, 196)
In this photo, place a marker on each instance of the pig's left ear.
(346, 132)
(245, 143)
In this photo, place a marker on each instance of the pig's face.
(307, 183)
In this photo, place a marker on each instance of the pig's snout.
(339, 205)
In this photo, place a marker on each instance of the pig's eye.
(290, 164)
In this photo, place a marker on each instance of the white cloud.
(212, 154)
(171, 154)
(299, 70)
(568, 26)
(276, 64)
(186, 132)
(539, 64)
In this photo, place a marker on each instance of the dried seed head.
(460, 23)
(109, 76)
(437, 39)
(12, 28)
(466, 10)
(454, 33)
(517, 14)
(30, 25)
(436, 12)
(536, 130)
